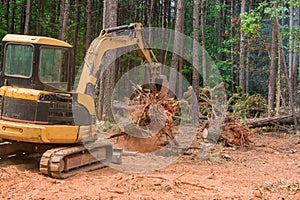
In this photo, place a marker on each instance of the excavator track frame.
(64, 162)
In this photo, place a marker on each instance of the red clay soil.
(268, 169)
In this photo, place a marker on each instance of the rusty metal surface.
(68, 161)
(8, 148)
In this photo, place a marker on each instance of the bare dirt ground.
(268, 169)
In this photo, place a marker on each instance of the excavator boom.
(106, 41)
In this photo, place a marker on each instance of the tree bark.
(278, 81)
(295, 53)
(28, 17)
(196, 51)
(247, 65)
(76, 33)
(231, 46)
(203, 41)
(107, 80)
(163, 24)
(291, 44)
(289, 83)
(64, 9)
(176, 48)
(12, 28)
(242, 51)
(88, 23)
(272, 72)
(271, 121)
(6, 14)
(39, 28)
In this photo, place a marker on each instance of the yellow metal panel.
(39, 133)
(22, 93)
(34, 40)
(20, 132)
(88, 102)
(60, 134)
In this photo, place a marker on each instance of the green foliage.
(246, 106)
(250, 23)
(256, 25)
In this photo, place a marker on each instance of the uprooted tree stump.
(233, 133)
(151, 115)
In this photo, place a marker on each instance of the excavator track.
(64, 162)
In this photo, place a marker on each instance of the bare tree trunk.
(28, 17)
(163, 24)
(64, 14)
(203, 61)
(288, 80)
(22, 20)
(88, 23)
(278, 81)
(75, 46)
(272, 73)
(176, 49)
(12, 28)
(196, 52)
(6, 14)
(107, 80)
(150, 19)
(39, 28)
(231, 46)
(296, 54)
(291, 45)
(180, 67)
(150, 13)
(248, 49)
(242, 51)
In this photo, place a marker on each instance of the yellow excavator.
(39, 110)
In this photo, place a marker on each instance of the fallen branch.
(195, 185)
(179, 182)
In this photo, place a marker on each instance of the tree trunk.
(28, 17)
(291, 44)
(107, 80)
(295, 53)
(248, 49)
(278, 81)
(40, 11)
(149, 18)
(65, 5)
(6, 14)
(75, 46)
(203, 61)
(176, 48)
(12, 28)
(242, 51)
(272, 73)
(88, 23)
(288, 80)
(196, 50)
(163, 24)
(231, 46)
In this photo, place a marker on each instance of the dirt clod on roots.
(152, 117)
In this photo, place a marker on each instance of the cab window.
(18, 60)
(53, 66)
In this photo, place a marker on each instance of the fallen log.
(273, 121)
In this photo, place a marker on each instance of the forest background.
(255, 44)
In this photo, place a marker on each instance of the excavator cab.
(36, 62)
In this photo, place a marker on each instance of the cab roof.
(34, 40)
